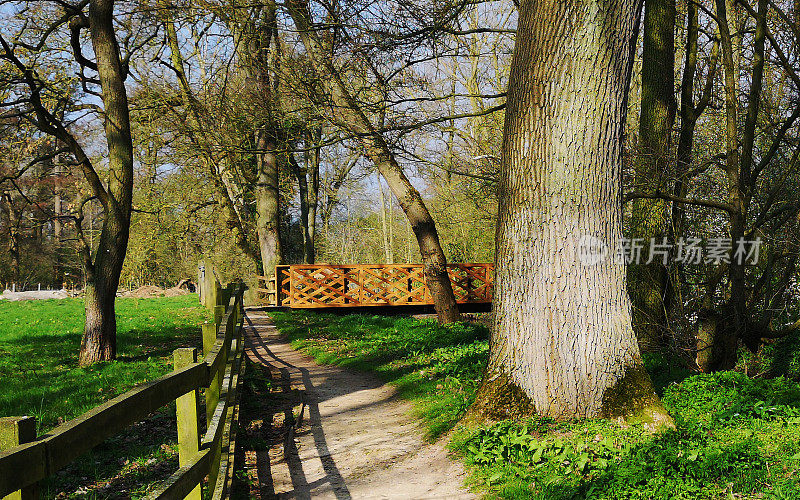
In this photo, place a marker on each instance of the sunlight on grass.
(39, 343)
(736, 437)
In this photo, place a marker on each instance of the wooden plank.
(215, 431)
(212, 391)
(70, 440)
(22, 466)
(182, 482)
(227, 446)
(62, 445)
(214, 426)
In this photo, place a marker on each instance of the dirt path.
(356, 438)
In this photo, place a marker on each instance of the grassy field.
(736, 436)
(39, 343)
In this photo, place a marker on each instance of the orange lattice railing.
(323, 285)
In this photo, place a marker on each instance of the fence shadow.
(283, 401)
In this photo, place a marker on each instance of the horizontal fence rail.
(357, 285)
(201, 454)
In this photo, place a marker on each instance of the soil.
(327, 432)
(35, 295)
(150, 291)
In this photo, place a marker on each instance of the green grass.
(39, 343)
(736, 436)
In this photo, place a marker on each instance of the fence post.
(219, 312)
(187, 412)
(15, 431)
(212, 391)
(217, 299)
(217, 383)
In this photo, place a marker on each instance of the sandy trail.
(357, 438)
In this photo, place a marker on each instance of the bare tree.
(352, 117)
(34, 101)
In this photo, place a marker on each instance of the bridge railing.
(358, 285)
(201, 454)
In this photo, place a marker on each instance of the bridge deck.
(363, 285)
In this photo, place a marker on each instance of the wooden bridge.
(360, 285)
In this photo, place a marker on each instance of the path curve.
(358, 438)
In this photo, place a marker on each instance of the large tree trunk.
(257, 34)
(99, 336)
(99, 341)
(649, 284)
(376, 149)
(562, 329)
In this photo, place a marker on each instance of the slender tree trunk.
(99, 336)
(688, 118)
(58, 266)
(229, 194)
(717, 344)
(649, 283)
(312, 166)
(267, 194)
(562, 333)
(377, 150)
(257, 34)
(302, 192)
(721, 352)
(13, 235)
(388, 255)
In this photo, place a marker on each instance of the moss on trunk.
(633, 400)
(499, 398)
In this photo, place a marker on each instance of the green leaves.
(506, 442)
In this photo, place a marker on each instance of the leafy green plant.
(736, 437)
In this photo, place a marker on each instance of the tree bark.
(102, 276)
(257, 34)
(650, 286)
(313, 159)
(388, 251)
(562, 330)
(267, 194)
(302, 192)
(377, 150)
(13, 235)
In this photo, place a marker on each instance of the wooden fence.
(209, 453)
(324, 285)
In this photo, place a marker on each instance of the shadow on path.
(258, 350)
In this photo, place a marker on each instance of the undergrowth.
(736, 436)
